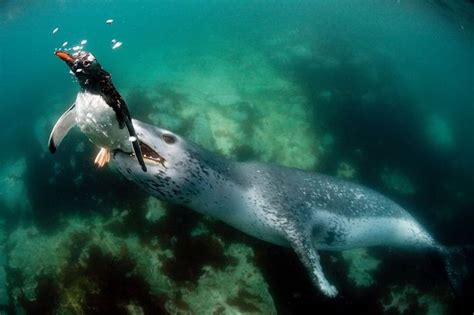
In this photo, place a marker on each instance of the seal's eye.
(87, 63)
(170, 139)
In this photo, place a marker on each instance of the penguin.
(99, 110)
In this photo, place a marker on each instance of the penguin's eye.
(170, 139)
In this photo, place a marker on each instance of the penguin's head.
(85, 68)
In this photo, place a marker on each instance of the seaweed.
(243, 301)
(201, 251)
(47, 293)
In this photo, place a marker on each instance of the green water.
(377, 92)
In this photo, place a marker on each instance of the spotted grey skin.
(303, 210)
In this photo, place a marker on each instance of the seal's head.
(86, 69)
(175, 174)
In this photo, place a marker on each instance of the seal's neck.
(220, 186)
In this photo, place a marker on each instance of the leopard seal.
(289, 207)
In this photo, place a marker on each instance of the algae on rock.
(403, 299)
(74, 259)
(361, 266)
(238, 289)
(248, 105)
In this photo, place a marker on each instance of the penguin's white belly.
(98, 122)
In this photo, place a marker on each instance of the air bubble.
(117, 45)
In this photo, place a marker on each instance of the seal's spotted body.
(288, 207)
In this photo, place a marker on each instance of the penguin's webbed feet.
(102, 158)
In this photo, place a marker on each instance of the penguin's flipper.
(61, 128)
(135, 142)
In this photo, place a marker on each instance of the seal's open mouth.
(150, 155)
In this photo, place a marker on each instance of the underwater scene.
(237, 157)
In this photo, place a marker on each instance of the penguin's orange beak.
(64, 56)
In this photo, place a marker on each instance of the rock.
(361, 266)
(13, 195)
(345, 170)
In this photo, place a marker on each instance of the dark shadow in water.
(67, 182)
(103, 285)
(174, 232)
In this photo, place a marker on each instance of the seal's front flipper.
(304, 248)
(459, 266)
(135, 143)
(61, 128)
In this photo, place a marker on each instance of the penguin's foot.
(102, 158)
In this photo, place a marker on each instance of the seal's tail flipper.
(459, 262)
(135, 143)
(61, 128)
